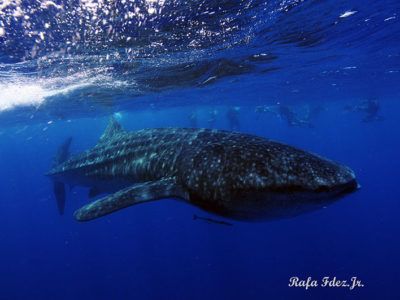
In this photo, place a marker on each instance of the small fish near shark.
(211, 220)
(231, 174)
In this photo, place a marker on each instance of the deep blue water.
(67, 66)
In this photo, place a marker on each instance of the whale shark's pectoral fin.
(132, 195)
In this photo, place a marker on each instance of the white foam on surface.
(22, 91)
(19, 94)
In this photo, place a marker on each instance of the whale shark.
(231, 174)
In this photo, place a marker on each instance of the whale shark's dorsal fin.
(135, 194)
(113, 129)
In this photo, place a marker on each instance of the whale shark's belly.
(265, 205)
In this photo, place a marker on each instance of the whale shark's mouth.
(280, 202)
(343, 188)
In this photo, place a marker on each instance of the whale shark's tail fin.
(59, 187)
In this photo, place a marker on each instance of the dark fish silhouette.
(229, 173)
(210, 220)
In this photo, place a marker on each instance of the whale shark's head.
(265, 179)
(297, 191)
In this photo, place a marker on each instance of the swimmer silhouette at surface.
(264, 109)
(212, 118)
(370, 108)
(287, 113)
(193, 119)
(232, 115)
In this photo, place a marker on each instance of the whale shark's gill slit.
(135, 194)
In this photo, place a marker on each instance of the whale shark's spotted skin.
(225, 172)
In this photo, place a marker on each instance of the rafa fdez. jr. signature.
(329, 282)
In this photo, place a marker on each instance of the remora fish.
(210, 220)
(229, 173)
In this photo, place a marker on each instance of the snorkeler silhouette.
(213, 118)
(263, 109)
(193, 119)
(313, 113)
(233, 118)
(292, 119)
(370, 107)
